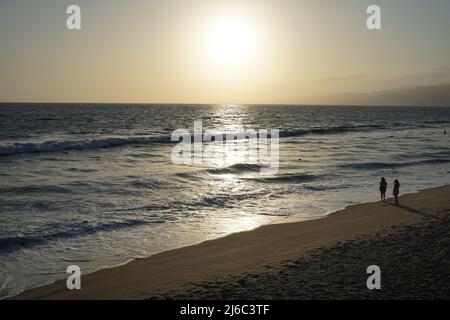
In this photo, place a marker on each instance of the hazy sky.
(207, 51)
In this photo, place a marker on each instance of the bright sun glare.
(231, 42)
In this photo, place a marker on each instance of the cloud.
(350, 77)
(433, 75)
(440, 73)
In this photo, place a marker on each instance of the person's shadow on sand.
(412, 210)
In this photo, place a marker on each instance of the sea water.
(94, 184)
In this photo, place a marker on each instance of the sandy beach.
(318, 259)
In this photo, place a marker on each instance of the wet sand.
(318, 259)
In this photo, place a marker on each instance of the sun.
(231, 42)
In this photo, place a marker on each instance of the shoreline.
(248, 252)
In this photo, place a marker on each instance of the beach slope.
(322, 258)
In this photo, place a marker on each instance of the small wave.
(46, 119)
(149, 207)
(287, 178)
(392, 165)
(34, 189)
(436, 121)
(81, 170)
(328, 187)
(237, 168)
(240, 168)
(15, 243)
(149, 184)
(226, 200)
(329, 130)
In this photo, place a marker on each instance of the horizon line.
(229, 104)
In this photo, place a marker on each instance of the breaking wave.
(92, 144)
(15, 243)
(287, 178)
(391, 165)
(54, 146)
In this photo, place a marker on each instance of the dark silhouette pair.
(395, 192)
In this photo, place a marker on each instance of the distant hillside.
(420, 96)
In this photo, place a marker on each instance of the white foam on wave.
(90, 144)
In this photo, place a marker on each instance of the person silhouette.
(396, 191)
(383, 187)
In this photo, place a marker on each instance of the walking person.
(383, 188)
(396, 191)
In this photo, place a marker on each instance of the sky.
(211, 51)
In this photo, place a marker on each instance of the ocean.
(95, 185)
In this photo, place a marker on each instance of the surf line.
(249, 145)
